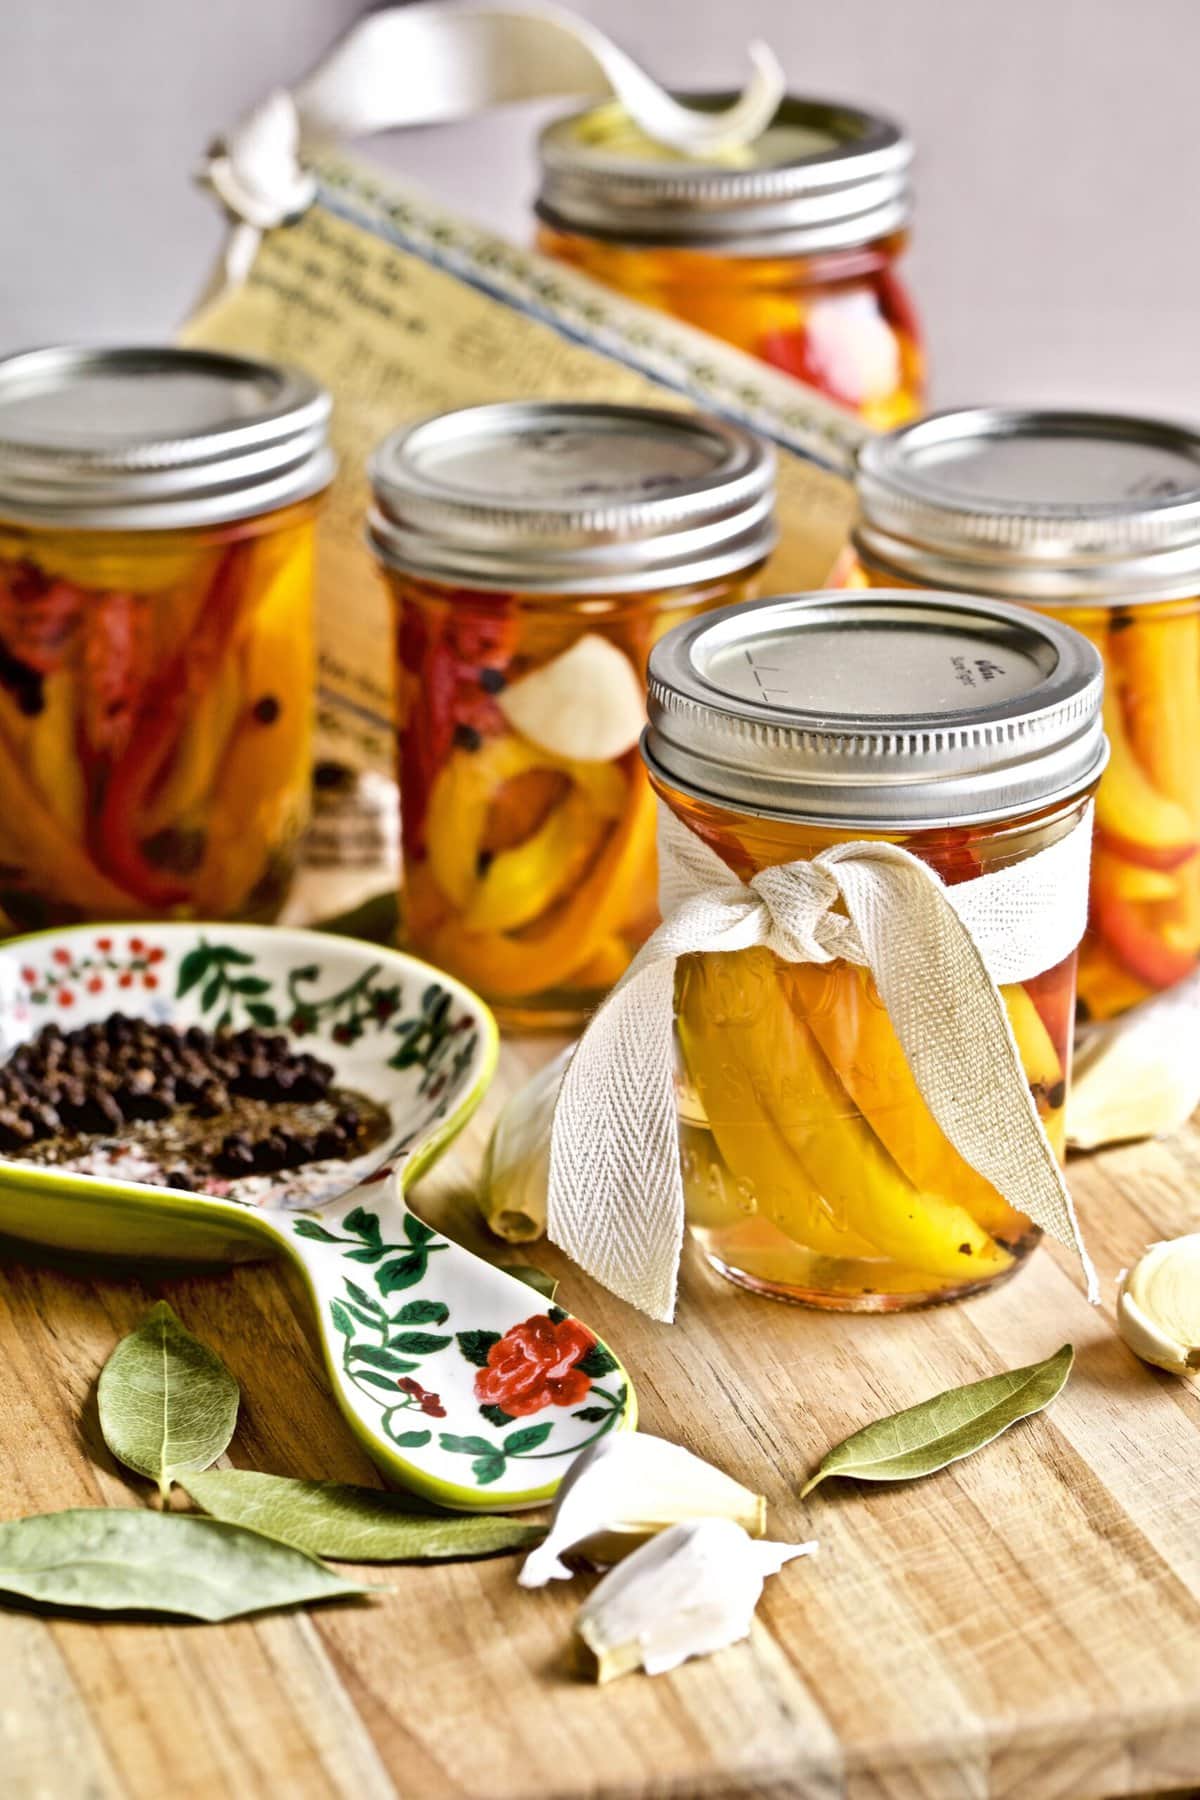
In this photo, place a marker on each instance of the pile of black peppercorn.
(102, 1076)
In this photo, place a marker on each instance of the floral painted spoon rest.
(459, 1381)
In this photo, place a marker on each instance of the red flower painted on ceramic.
(534, 1366)
(430, 1404)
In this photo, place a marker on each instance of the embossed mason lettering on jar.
(967, 732)
(157, 511)
(1093, 518)
(787, 249)
(535, 553)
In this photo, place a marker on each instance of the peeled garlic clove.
(588, 705)
(1137, 1076)
(690, 1590)
(628, 1487)
(1158, 1305)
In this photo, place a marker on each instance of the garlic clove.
(516, 1166)
(1158, 1305)
(629, 1487)
(587, 705)
(687, 1592)
(1137, 1076)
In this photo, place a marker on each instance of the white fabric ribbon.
(418, 65)
(936, 953)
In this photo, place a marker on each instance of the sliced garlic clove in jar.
(588, 705)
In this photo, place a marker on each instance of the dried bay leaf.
(938, 1431)
(354, 1524)
(102, 1559)
(167, 1404)
(546, 1285)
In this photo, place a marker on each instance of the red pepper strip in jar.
(161, 719)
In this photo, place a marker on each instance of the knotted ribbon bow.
(937, 955)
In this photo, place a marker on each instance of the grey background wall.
(1056, 255)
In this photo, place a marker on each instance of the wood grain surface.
(1025, 1624)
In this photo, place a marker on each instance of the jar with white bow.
(842, 1059)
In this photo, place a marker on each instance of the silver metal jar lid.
(572, 498)
(876, 710)
(1062, 507)
(822, 177)
(156, 438)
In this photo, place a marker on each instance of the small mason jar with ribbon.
(843, 1056)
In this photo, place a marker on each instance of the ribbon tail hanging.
(616, 1194)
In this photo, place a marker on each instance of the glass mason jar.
(789, 251)
(156, 655)
(535, 552)
(969, 733)
(1093, 518)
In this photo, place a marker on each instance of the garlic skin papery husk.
(1137, 1076)
(629, 1487)
(689, 1591)
(588, 705)
(516, 1165)
(1158, 1305)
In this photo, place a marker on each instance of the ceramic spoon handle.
(460, 1381)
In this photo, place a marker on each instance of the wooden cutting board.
(1025, 1624)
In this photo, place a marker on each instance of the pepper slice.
(839, 1006)
(1138, 945)
(261, 790)
(50, 856)
(163, 713)
(502, 891)
(508, 968)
